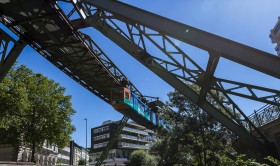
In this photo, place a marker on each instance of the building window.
(105, 128)
(98, 130)
(104, 136)
(100, 145)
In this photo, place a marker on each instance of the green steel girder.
(197, 75)
(60, 31)
(99, 20)
(47, 29)
(36, 38)
(208, 78)
(8, 58)
(253, 58)
(148, 61)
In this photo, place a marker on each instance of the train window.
(135, 103)
(117, 96)
(126, 95)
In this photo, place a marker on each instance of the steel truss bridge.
(43, 25)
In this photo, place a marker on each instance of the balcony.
(136, 125)
(129, 137)
(132, 146)
(135, 131)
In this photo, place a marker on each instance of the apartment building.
(275, 36)
(133, 137)
(48, 154)
(77, 153)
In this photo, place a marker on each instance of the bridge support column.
(7, 59)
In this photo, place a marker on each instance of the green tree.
(141, 158)
(82, 162)
(195, 138)
(36, 108)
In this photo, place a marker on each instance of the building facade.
(275, 36)
(133, 137)
(63, 156)
(77, 153)
(48, 154)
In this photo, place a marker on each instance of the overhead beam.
(268, 98)
(29, 20)
(147, 60)
(8, 60)
(242, 54)
(208, 81)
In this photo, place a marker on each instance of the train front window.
(117, 96)
(126, 95)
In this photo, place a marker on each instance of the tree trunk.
(204, 149)
(33, 152)
(33, 140)
(200, 158)
(202, 133)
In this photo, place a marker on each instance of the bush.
(141, 158)
(82, 162)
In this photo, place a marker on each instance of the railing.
(133, 138)
(134, 130)
(134, 146)
(140, 107)
(136, 125)
(265, 115)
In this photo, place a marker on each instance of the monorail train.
(129, 104)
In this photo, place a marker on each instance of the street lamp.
(86, 142)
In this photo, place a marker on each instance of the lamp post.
(86, 142)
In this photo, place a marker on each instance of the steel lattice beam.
(8, 58)
(245, 55)
(148, 61)
(49, 32)
(61, 44)
(217, 83)
(101, 15)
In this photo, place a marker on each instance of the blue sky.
(248, 22)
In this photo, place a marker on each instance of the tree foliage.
(141, 158)
(82, 162)
(244, 160)
(35, 108)
(195, 138)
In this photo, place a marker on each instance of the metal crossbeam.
(101, 15)
(245, 55)
(108, 63)
(8, 58)
(50, 32)
(149, 62)
(112, 141)
(207, 80)
(192, 75)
